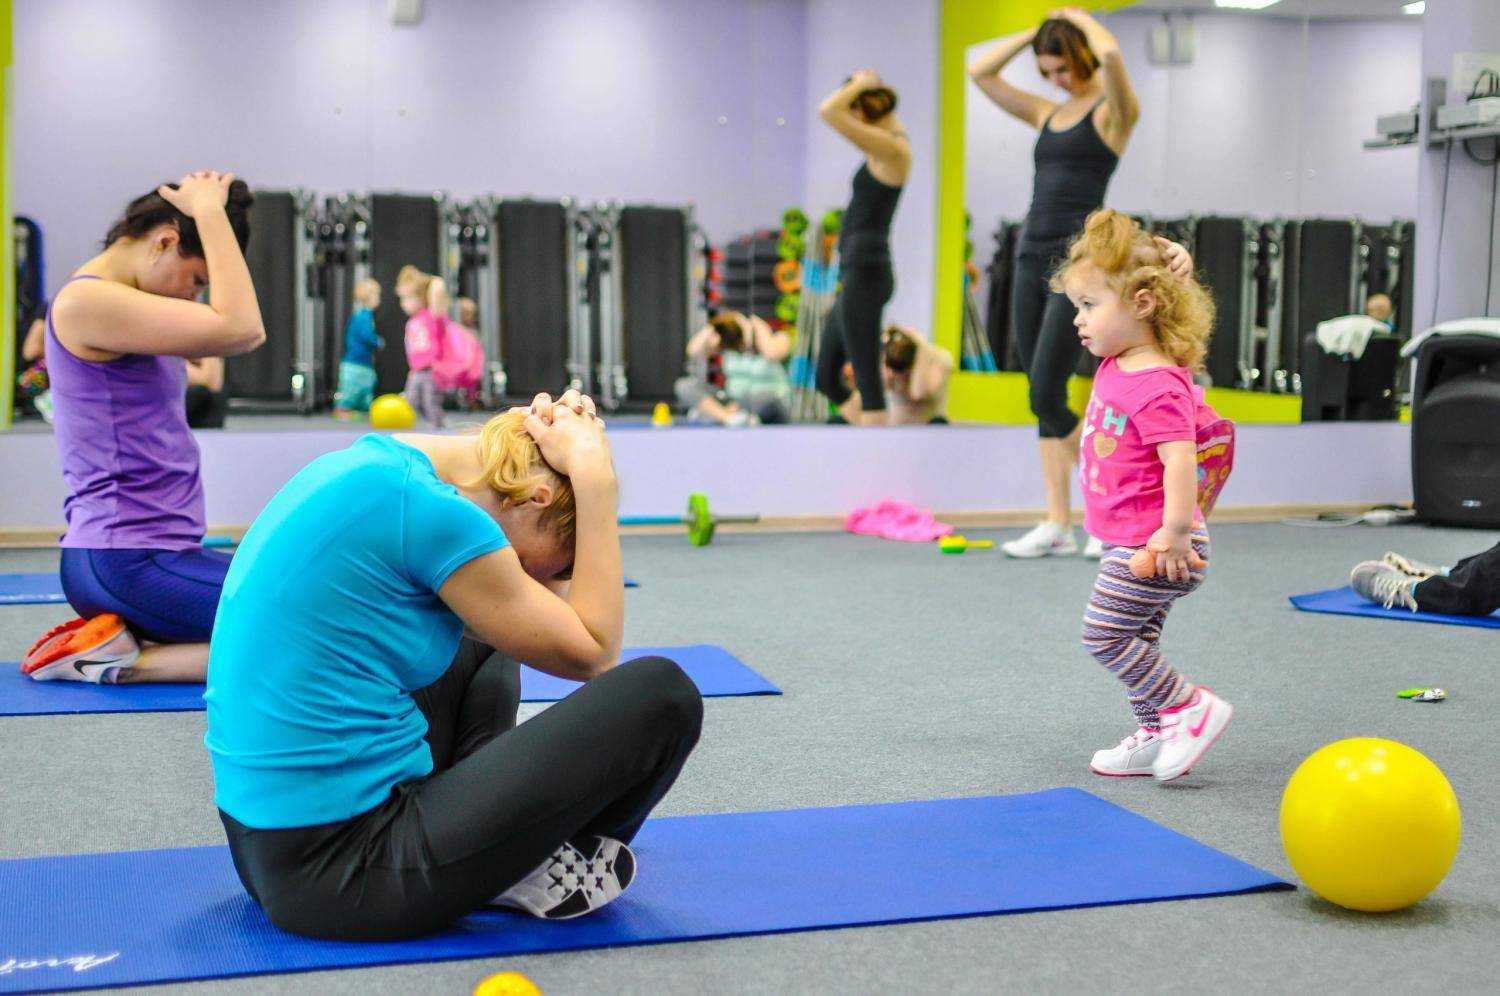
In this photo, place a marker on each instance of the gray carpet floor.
(910, 675)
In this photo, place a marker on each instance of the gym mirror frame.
(1001, 397)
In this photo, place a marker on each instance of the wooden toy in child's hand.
(1144, 565)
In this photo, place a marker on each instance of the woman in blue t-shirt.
(363, 685)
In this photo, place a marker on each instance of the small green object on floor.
(1423, 694)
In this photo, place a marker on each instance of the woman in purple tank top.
(119, 333)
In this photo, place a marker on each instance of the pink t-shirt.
(1129, 414)
(424, 339)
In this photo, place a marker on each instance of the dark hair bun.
(151, 210)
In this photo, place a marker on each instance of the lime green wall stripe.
(1000, 399)
(8, 332)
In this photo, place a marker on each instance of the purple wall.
(901, 43)
(810, 470)
(1250, 127)
(1447, 174)
(591, 98)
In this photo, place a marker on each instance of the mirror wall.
(1257, 119)
(636, 102)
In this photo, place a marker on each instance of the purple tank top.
(128, 458)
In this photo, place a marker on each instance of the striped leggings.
(1122, 629)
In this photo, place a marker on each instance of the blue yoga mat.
(42, 589)
(1346, 602)
(142, 917)
(715, 670)
(30, 589)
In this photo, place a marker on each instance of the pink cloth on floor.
(897, 520)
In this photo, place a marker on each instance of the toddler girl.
(1140, 478)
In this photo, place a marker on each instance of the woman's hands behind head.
(571, 435)
(196, 192)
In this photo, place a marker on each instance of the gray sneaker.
(1413, 568)
(1379, 582)
(578, 878)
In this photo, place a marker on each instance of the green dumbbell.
(794, 221)
(701, 522)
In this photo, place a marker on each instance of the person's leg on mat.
(168, 599)
(595, 763)
(1471, 588)
(474, 701)
(867, 288)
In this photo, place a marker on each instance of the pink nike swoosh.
(1198, 730)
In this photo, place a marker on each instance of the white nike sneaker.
(1188, 731)
(93, 650)
(1094, 548)
(1047, 539)
(1132, 756)
(576, 879)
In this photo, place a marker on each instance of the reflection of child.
(33, 380)
(1138, 470)
(461, 366)
(1378, 307)
(357, 368)
(424, 298)
(756, 387)
(915, 374)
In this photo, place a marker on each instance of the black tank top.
(1073, 168)
(867, 220)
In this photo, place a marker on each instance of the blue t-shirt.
(359, 338)
(328, 622)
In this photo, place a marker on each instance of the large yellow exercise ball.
(1369, 824)
(391, 411)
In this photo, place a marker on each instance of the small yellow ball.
(391, 411)
(507, 984)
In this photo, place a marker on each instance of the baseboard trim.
(994, 519)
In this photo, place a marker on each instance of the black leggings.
(853, 333)
(1472, 588)
(1046, 341)
(500, 799)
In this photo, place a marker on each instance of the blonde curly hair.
(515, 470)
(1131, 262)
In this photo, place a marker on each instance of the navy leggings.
(165, 596)
(1046, 341)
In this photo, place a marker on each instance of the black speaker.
(1455, 446)
(1339, 389)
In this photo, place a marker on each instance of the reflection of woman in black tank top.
(863, 110)
(1079, 143)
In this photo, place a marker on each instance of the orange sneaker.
(92, 650)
